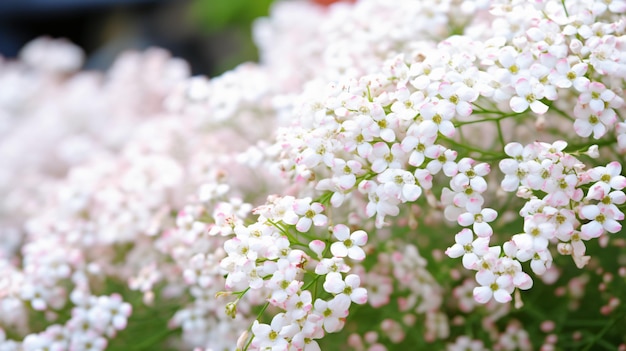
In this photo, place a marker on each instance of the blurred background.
(212, 35)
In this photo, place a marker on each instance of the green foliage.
(215, 15)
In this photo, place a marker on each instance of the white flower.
(498, 287)
(609, 175)
(598, 97)
(441, 158)
(439, 114)
(333, 312)
(348, 244)
(345, 172)
(470, 249)
(596, 122)
(479, 221)
(529, 94)
(416, 142)
(460, 96)
(400, 184)
(269, 336)
(334, 264)
(307, 214)
(602, 218)
(350, 287)
(565, 76)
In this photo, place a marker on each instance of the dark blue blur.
(103, 28)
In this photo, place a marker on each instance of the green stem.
(564, 8)
(500, 134)
(493, 119)
(599, 335)
(250, 327)
(471, 148)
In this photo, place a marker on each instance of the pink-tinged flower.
(471, 250)
(514, 169)
(514, 64)
(479, 221)
(346, 172)
(333, 311)
(334, 264)
(460, 96)
(620, 128)
(318, 150)
(466, 198)
(602, 218)
(269, 336)
(318, 247)
(310, 330)
(562, 189)
(541, 261)
(598, 97)
(400, 184)
(426, 72)
(441, 158)
(593, 122)
(350, 287)
(380, 204)
(416, 142)
(379, 289)
(528, 95)
(383, 157)
(609, 175)
(407, 104)
(348, 244)
(283, 284)
(464, 295)
(439, 114)
(498, 287)
(299, 305)
(564, 75)
(307, 214)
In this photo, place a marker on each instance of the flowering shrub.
(391, 175)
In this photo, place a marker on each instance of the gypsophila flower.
(349, 244)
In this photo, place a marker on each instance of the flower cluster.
(392, 174)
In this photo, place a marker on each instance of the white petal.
(447, 128)
(334, 284)
(359, 296)
(482, 294)
(356, 253)
(455, 251)
(317, 246)
(489, 214)
(466, 219)
(464, 237)
(338, 249)
(501, 296)
(387, 135)
(469, 260)
(341, 232)
(320, 220)
(538, 107)
(612, 226)
(518, 104)
(590, 211)
(359, 238)
(304, 224)
(592, 229)
(411, 192)
(485, 277)
(538, 267)
(483, 229)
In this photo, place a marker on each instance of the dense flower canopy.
(281, 205)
